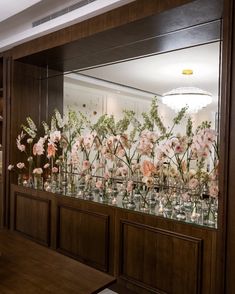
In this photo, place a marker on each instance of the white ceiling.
(163, 72)
(17, 17)
(12, 7)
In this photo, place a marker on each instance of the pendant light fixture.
(192, 97)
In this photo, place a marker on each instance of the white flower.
(20, 165)
(55, 136)
(38, 171)
(10, 167)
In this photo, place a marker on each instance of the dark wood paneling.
(163, 256)
(85, 235)
(227, 202)
(148, 253)
(159, 260)
(32, 217)
(114, 18)
(170, 30)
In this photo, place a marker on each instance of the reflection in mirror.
(137, 150)
(131, 85)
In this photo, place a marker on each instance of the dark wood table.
(27, 267)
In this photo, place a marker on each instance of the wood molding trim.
(84, 246)
(148, 242)
(111, 19)
(31, 217)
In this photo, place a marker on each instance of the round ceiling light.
(192, 97)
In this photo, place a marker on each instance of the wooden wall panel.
(117, 17)
(160, 260)
(84, 235)
(32, 217)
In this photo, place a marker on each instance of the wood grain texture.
(148, 254)
(131, 12)
(26, 267)
(158, 255)
(226, 249)
(172, 30)
(32, 217)
(84, 235)
(170, 262)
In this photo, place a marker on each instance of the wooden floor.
(27, 267)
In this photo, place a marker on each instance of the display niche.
(122, 143)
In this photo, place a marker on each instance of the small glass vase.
(38, 182)
(20, 180)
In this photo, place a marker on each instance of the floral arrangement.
(145, 158)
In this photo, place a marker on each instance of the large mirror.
(132, 84)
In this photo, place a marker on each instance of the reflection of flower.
(147, 168)
(86, 165)
(99, 184)
(214, 190)
(130, 186)
(148, 181)
(193, 183)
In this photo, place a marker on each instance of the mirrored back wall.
(131, 85)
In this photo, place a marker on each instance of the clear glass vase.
(20, 179)
(38, 182)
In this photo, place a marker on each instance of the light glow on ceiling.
(9, 8)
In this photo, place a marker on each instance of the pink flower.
(179, 148)
(147, 168)
(193, 183)
(46, 165)
(86, 165)
(54, 170)
(99, 184)
(20, 165)
(129, 187)
(51, 150)
(214, 190)
(38, 148)
(107, 175)
(120, 152)
(148, 181)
